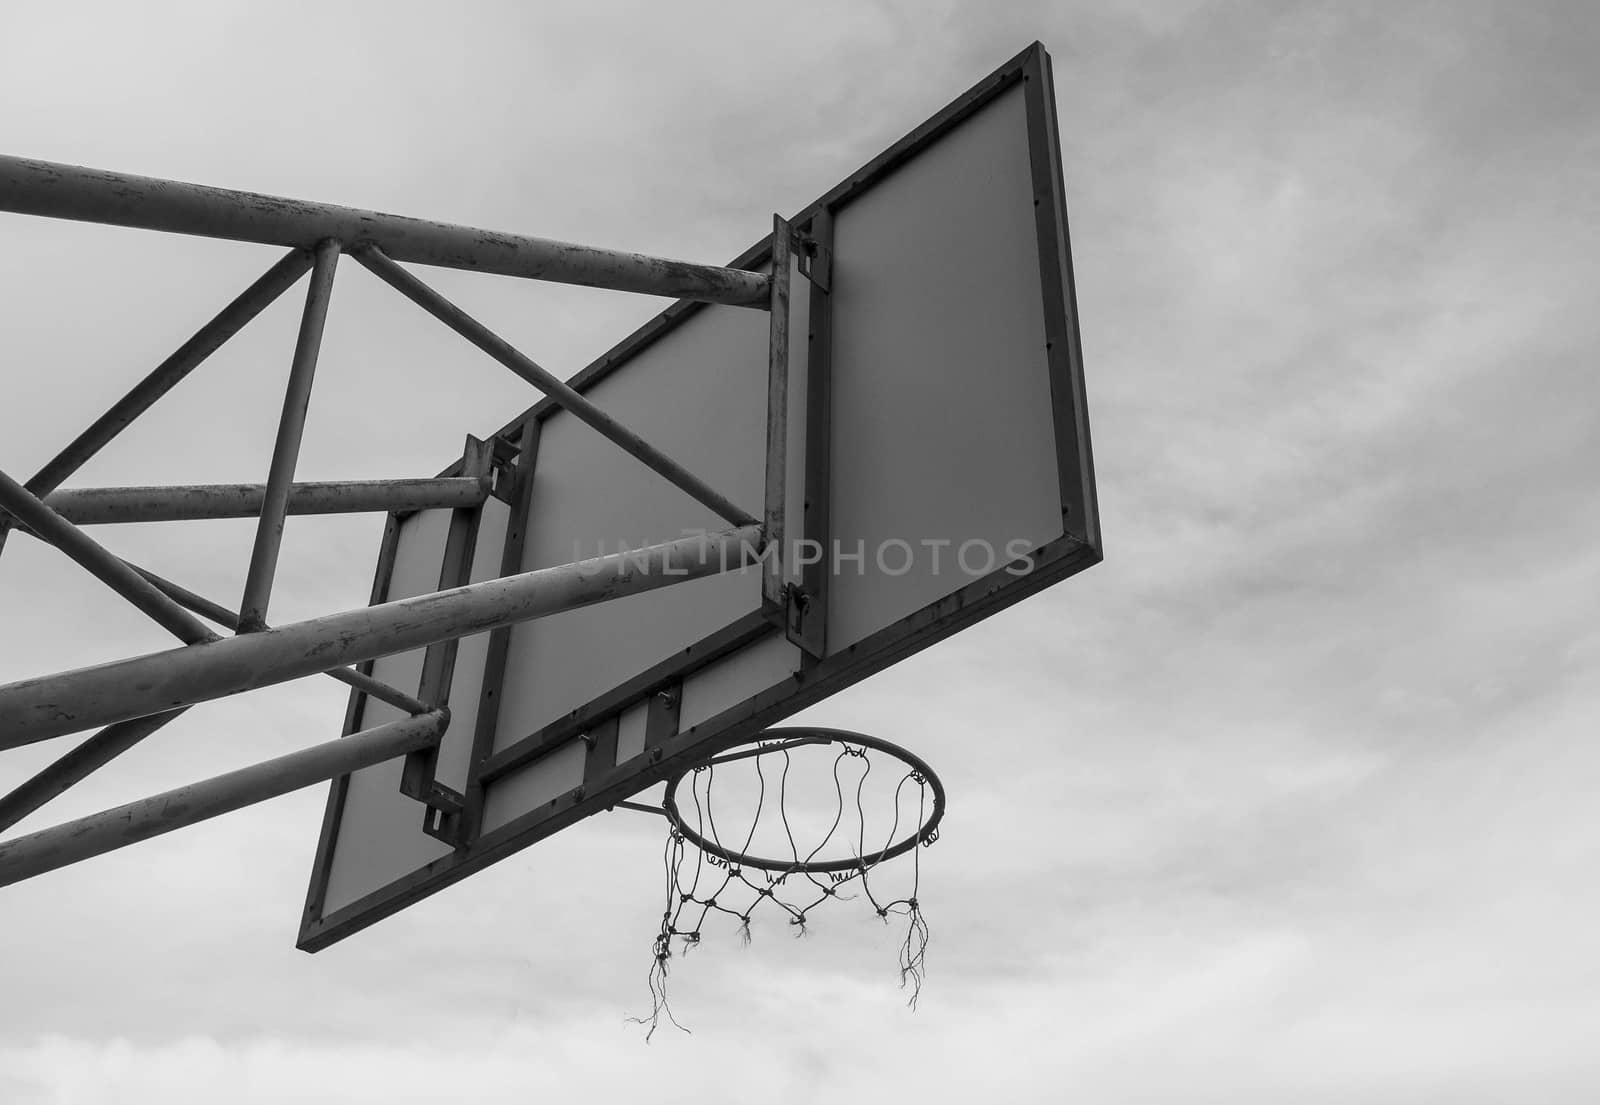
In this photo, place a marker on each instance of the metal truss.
(129, 700)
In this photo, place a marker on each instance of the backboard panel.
(938, 459)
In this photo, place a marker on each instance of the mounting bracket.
(815, 261)
(442, 819)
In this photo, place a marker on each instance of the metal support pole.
(808, 608)
(116, 828)
(286, 450)
(78, 765)
(93, 195)
(69, 702)
(419, 775)
(571, 401)
(492, 686)
(226, 618)
(92, 506)
(103, 565)
(772, 581)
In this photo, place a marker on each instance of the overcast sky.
(1290, 799)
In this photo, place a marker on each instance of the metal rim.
(789, 738)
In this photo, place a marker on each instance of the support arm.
(90, 506)
(69, 702)
(98, 833)
(96, 196)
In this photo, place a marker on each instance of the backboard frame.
(803, 622)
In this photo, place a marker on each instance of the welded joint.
(479, 462)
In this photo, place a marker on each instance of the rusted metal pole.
(101, 564)
(226, 618)
(78, 765)
(93, 195)
(69, 702)
(501, 350)
(98, 833)
(286, 450)
(92, 506)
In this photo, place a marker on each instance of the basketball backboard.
(938, 470)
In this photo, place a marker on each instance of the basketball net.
(722, 812)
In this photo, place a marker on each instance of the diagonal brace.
(103, 565)
(558, 390)
(166, 375)
(90, 756)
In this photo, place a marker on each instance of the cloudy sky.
(1289, 799)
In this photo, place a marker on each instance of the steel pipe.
(69, 702)
(93, 195)
(73, 841)
(93, 506)
(78, 765)
(350, 677)
(553, 386)
(286, 449)
(104, 566)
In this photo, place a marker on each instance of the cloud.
(1287, 800)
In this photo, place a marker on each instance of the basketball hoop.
(748, 877)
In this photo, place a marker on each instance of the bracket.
(815, 261)
(640, 807)
(806, 603)
(796, 603)
(442, 818)
(443, 806)
(503, 462)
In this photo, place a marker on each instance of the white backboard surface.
(940, 395)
